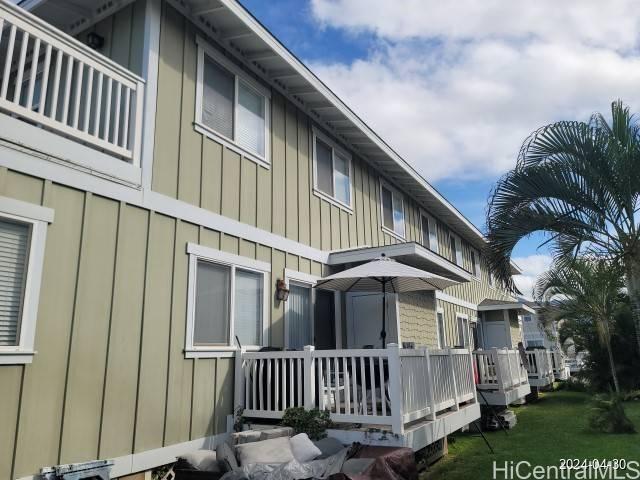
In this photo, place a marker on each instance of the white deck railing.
(500, 369)
(540, 366)
(52, 80)
(389, 386)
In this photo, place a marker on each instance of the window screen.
(387, 208)
(324, 167)
(299, 316)
(248, 307)
(212, 305)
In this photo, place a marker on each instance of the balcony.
(50, 81)
(540, 368)
(502, 376)
(560, 371)
(416, 395)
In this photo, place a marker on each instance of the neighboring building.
(158, 178)
(538, 333)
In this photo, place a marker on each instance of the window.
(392, 210)
(463, 330)
(527, 318)
(332, 171)
(429, 233)
(230, 107)
(490, 277)
(22, 241)
(227, 301)
(475, 263)
(442, 338)
(455, 249)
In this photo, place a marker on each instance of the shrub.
(312, 422)
(608, 415)
(574, 384)
(631, 396)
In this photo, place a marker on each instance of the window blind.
(14, 244)
(299, 316)
(218, 98)
(248, 307)
(211, 325)
(250, 125)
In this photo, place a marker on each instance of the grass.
(551, 429)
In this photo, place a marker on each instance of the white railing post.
(137, 119)
(309, 378)
(395, 389)
(238, 391)
(456, 404)
(473, 377)
(510, 383)
(499, 372)
(430, 384)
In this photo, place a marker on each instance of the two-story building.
(167, 170)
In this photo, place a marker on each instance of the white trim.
(20, 211)
(28, 210)
(445, 297)
(318, 134)
(204, 48)
(219, 256)
(148, 459)
(151, 49)
(199, 252)
(302, 277)
(56, 148)
(393, 190)
(507, 306)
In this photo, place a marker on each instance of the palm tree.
(584, 290)
(580, 184)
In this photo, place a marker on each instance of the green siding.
(110, 377)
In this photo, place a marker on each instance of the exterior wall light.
(282, 290)
(95, 41)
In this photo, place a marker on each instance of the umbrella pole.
(383, 333)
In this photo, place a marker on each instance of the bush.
(631, 396)
(574, 384)
(608, 415)
(312, 422)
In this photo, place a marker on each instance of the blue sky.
(456, 88)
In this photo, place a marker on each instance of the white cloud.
(532, 266)
(456, 87)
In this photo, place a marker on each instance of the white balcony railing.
(500, 369)
(389, 386)
(540, 366)
(51, 80)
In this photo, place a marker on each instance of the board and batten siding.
(194, 168)
(110, 377)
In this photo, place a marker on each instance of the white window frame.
(440, 311)
(305, 280)
(459, 258)
(475, 262)
(201, 253)
(204, 48)
(384, 228)
(464, 317)
(317, 134)
(38, 218)
(432, 242)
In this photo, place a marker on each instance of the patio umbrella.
(386, 276)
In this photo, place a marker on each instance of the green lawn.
(551, 429)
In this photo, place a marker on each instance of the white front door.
(364, 319)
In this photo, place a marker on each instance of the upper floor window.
(22, 241)
(442, 337)
(475, 263)
(231, 107)
(227, 301)
(455, 249)
(392, 210)
(429, 233)
(332, 170)
(463, 330)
